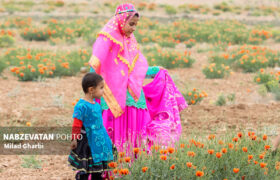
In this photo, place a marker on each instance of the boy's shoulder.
(80, 104)
(79, 110)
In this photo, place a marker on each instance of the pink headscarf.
(118, 60)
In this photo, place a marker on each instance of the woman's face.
(130, 26)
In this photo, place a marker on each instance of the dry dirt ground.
(49, 103)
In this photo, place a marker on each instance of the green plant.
(215, 71)
(253, 58)
(142, 5)
(6, 41)
(216, 13)
(262, 90)
(36, 34)
(31, 162)
(71, 30)
(263, 78)
(194, 97)
(273, 86)
(168, 58)
(170, 10)
(3, 65)
(59, 3)
(268, 80)
(18, 22)
(221, 101)
(231, 97)
(223, 6)
(30, 65)
(277, 95)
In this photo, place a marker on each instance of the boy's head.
(93, 84)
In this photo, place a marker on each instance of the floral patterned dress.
(94, 150)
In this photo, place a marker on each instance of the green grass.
(31, 162)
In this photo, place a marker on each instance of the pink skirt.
(128, 130)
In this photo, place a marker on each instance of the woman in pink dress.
(117, 58)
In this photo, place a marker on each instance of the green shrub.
(231, 97)
(268, 80)
(168, 58)
(36, 34)
(31, 162)
(170, 10)
(223, 7)
(216, 13)
(194, 97)
(221, 101)
(277, 95)
(6, 41)
(216, 71)
(3, 65)
(262, 90)
(263, 78)
(272, 86)
(30, 65)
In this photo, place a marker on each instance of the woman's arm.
(100, 51)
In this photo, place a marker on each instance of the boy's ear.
(90, 89)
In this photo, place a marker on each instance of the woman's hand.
(74, 144)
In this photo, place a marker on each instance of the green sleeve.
(91, 69)
(152, 71)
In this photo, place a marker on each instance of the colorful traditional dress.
(119, 61)
(94, 150)
(164, 102)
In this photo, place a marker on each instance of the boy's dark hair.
(91, 79)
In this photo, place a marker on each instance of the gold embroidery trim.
(122, 71)
(111, 38)
(108, 95)
(83, 159)
(125, 61)
(132, 94)
(82, 169)
(112, 102)
(133, 63)
(94, 62)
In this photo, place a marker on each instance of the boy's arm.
(76, 128)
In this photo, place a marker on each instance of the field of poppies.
(238, 156)
(224, 56)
